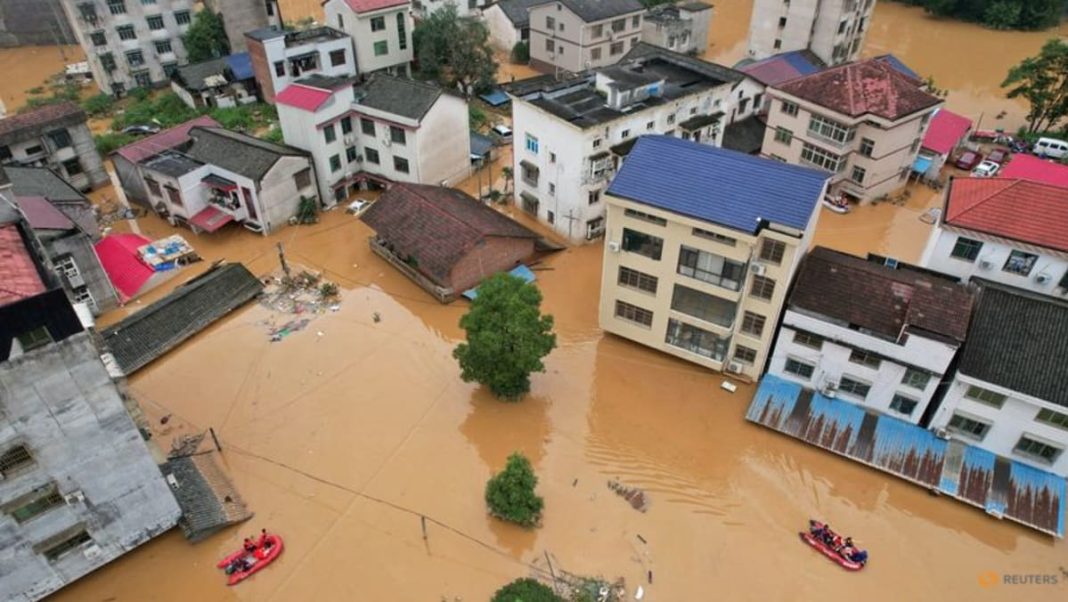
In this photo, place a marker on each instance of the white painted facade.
(1015, 418)
(383, 37)
(833, 29)
(1047, 276)
(561, 39)
(464, 8)
(280, 51)
(831, 361)
(504, 34)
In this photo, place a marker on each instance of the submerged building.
(832, 29)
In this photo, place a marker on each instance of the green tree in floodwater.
(206, 37)
(1043, 81)
(510, 493)
(455, 51)
(526, 590)
(507, 336)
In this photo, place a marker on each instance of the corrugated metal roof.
(946, 131)
(240, 65)
(303, 97)
(724, 187)
(122, 263)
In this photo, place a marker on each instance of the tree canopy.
(455, 51)
(526, 590)
(998, 14)
(507, 336)
(206, 37)
(510, 493)
(1043, 81)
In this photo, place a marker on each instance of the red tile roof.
(144, 148)
(871, 87)
(1021, 210)
(946, 131)
(1030, 167)
(878, 298)
(303, 97)
(42, 214)
(437, 225)
(118, 254)
(42, 116)
(18, 273)
(366, 6)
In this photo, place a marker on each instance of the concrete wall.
(276, 50)
(1051, 266)
(240, 16)
(278, 194)
(503, 33)
(396, 60)
(812, 24)
(40, 151)
(687, 34)
(92, 275)
(130, 179)
(496, 254)
(72, 419)
(573, 40)
(443, 142)
(300, 129)
(464, 8)
(34, 23)
(1014, 419)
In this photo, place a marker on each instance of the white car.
(503, 132)
(356, 207)
(986, 169)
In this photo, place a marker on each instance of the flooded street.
(28, 67)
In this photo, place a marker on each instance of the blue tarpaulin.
(240, 65)
(520, 271)
(922, 164)
(495, 98)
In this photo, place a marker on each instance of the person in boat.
(859, 556)
(263, 538)
(249, 545)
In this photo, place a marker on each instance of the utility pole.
(282, 259)
(570, 220)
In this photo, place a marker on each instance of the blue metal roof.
(800, 61)
(495, 98)
(900, 66)
(240, 65)
(480, 144)
(716, 185)
(520, 271)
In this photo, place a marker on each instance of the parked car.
(356, 207)
(969, 160)
(141, 130)
(998, 155)
(503, 132)
(986, 169)
(1050, 147)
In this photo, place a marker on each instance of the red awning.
(218, 182)
(211, 219)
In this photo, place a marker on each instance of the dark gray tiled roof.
(41, 181)
(400, 96)
(745, 136)
(325, 82)
(192, 76)
(3, 177)
(265, 33)
(708, 69)
(208, 499)
(599, 10)
(1018, 340)
(239, 153)
(158, 328)
(518, 11)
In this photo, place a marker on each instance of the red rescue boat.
(856, 560)
(242, 564)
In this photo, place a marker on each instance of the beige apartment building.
(832, 29)
(698, 259)
(577, 35)
(863, 122)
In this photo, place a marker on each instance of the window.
(703, 306)
(597, 31)
(778, 44)
(854, 387)
(772, 251)
(135, 58)
(596, 142)
(401, 32)
(164, 47)
(107, 61)
(337, 57)
(174, 196)
(126, 32)
(73, 167)
(595, 54)
(528, 173)
(711, 268)
(367, 126)
(550, 45)
(302, 179)
(1020, 263)
(798, 368)
(670, 120)
(350, 154)
(147, 2)
(1063, 282)
(594, 197)
(753, 324)
(858, 174)
(397, 135)
(1052, 418)
(329, 135)
(865, 358)
(155, 22)
(645, 217)
(15, 459)
(335, 163)
(552, 189)
(842, 26)
(642, 244)
(280, 69)
(615, 48)
(143, 79)
(762, 288)
(32, 339)
(60, 138)
(985, 396)
(636, 279)
(789, 108)
(808, 340)
(400, 164)
(99, 38)
(381, 48)
(633, 313)
(917, 379)
(117, 7)
(169, 69)
(636, 21)
(182, 17)
(378, 24)
(782, 22)
(903, 405)
(370, 155)
(551, 217)
(783, 135)
(532, 144)
(34, 150)
(830, 130)
(745, 354)
(820, 158)
(867, 146)
(726, 240)
(550, 23)
(619, 25)
(346, 125)
(696, 340)
(34, 503)
(153, 187)
(966, 249)
(1038, 450)
(915, 145)
(68, 544)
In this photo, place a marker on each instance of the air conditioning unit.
(734, 368)
(759, 269)
(941, 433)
(74, 497)
(1042, 278)
(985, 264)
(173, 482)
(613, 246)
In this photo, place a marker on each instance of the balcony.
(702, 306)
(711, 268)
(696, 340)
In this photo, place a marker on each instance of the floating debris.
(636, 497)
(277, 334)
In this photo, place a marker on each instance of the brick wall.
(262, 68)
(497, 254)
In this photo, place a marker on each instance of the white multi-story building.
(680, 27)
(878, 336)
(702, 245)
(388, 129)
(130, 43)
(280, 57)
(381, 30)
(833, 29)
(1008, 395)
(240, 16)
(1005, 230)
(566, 130)
(577, 35)
(508, 22)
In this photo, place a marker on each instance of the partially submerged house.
(681, 27)
(54, 136)
(945, 136)
(577, 35)
(221, 82)
(127, 158)
(444, 240)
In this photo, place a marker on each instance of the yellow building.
(701, 246)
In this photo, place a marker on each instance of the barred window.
(636, 279)
(633, 313)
